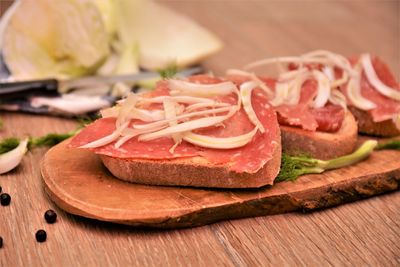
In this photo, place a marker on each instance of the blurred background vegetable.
(69, 38)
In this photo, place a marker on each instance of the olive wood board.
(77, 182)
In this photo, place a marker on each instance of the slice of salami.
(249, 158)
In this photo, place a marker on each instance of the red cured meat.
(249, 158)
(326, 119)
(386, 107)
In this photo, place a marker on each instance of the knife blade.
(55, 86)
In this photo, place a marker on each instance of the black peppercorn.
(50, 216)
(1, 242)
(41, 236)
(5, 199)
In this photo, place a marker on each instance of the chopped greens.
(51, 139)
(293, 167)
(8, 144)
(394, 144)
(169, 71)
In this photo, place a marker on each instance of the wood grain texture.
(363, 233)
(74, 179)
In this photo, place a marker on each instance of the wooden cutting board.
(77, 182)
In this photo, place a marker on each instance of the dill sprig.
(394, 144)
(8, 144)
(169, 71)
(293, 167)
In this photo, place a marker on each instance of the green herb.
(394, 144)
(8, 144)
(169, 72)
(49, 139)
(293, 167)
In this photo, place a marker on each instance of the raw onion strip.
(178, 99)
(219, 142)
(353, 90)
(197, 106)
(338, 98)
(396, 119)
(187, 126)
(107, 139)
(324, 89)
(129, 133)
(375, 81)
(178, 87)
(185, 116)
(253, 77)
(246, 90)
(281, 93)
(169, 108)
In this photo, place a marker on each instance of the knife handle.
(22, 89)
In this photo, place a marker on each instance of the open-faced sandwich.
(312, 95)
(201, 131)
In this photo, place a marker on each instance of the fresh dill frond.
(394, 144)
(86, 119)
(49, 139)
(293, 167)
(169, 71)
(8, 144)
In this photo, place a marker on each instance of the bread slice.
(366, 125)
(195, 171)
(321, 145)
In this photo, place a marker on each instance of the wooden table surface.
(358, 234)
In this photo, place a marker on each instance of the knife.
(56, 87)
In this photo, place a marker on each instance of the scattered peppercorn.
(41, 236)
(50, 216)
(1, 242)
(5, 199)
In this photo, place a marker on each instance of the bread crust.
(321, 145)
(194, 171)
(366, 125)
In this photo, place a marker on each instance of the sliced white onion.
(324, 89)
(396, 119)
(375, 81)
(253, 77)
(178, 99)
(292, 74)
(169, 108)
(197, 106)
(136, 113)
(338, 98)
(219, 142)
(294, 88)
(334, 59)
(129, 133)
(328, 71)
(11, 159)
(179, 87)
(126, 108)
(353, 90)
(106, 139)
(246, 90)
(276, 60)
(281, 93)
(184, 116)
(187, 126)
